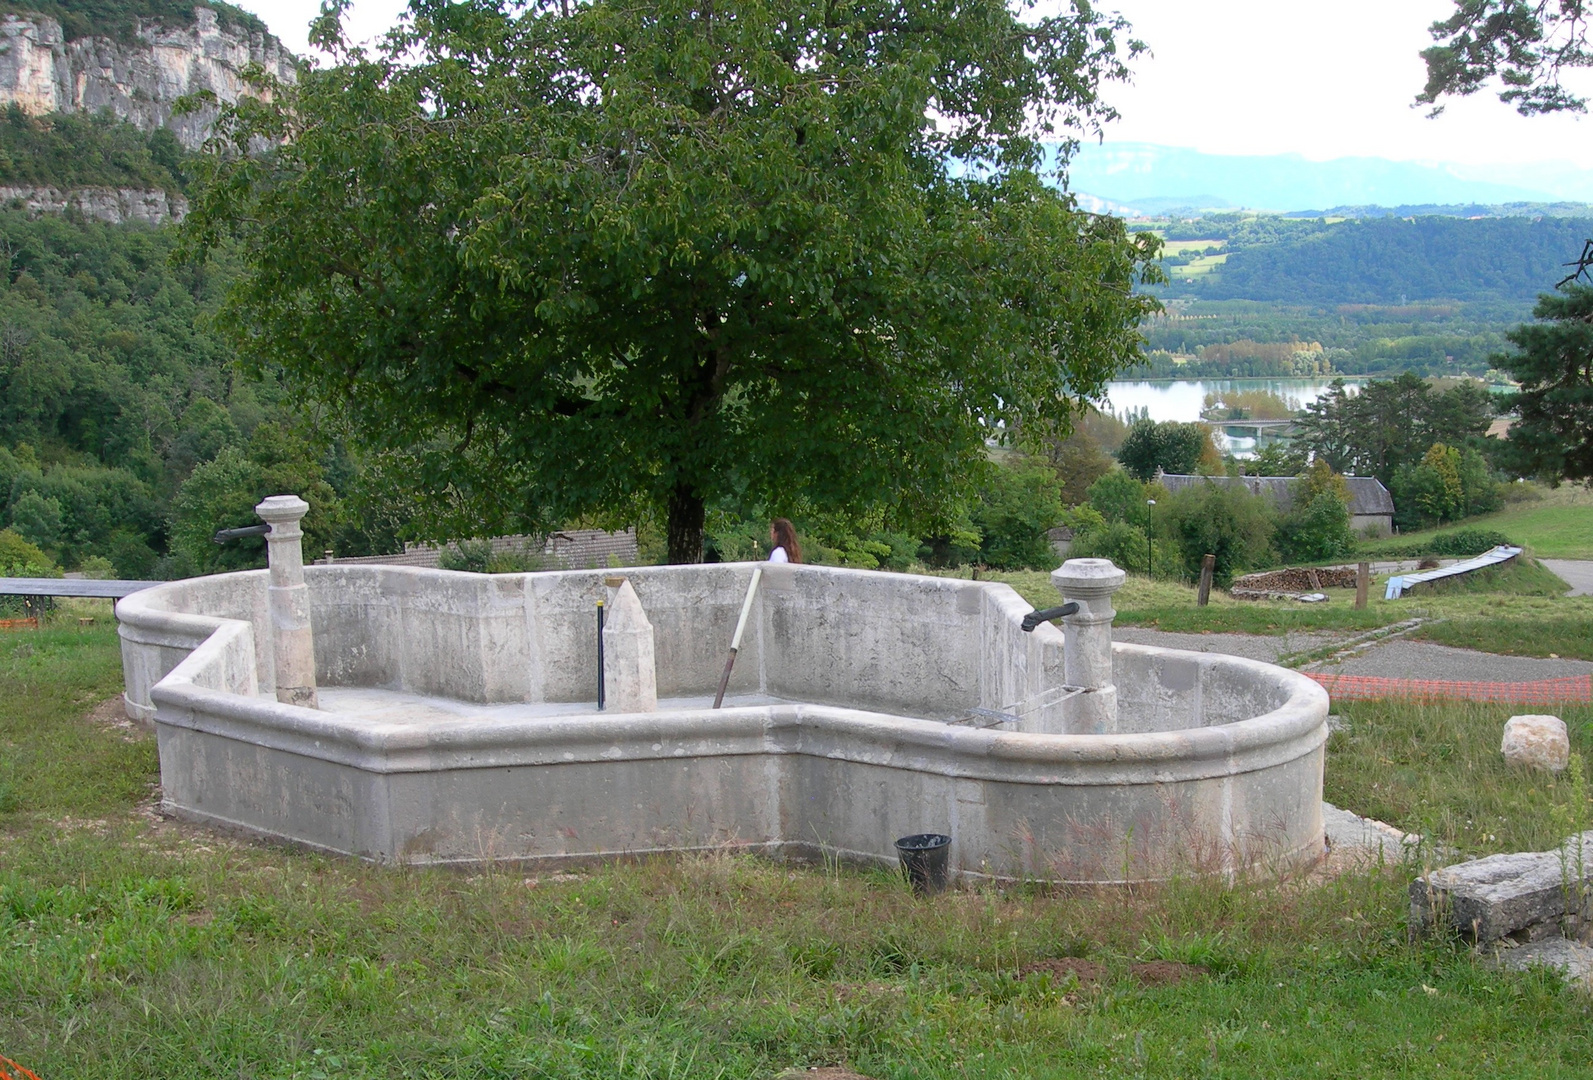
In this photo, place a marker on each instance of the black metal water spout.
(235, 534)
(1035, 618)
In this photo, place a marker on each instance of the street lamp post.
(1149, 569)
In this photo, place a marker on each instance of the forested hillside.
(1394, 261)
(66, 150)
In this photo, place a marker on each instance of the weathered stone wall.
(1216, 762)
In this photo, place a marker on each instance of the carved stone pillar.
(292, 643)
(1087, 640)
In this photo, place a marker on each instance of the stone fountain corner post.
(1087, 640)
(288, 599)
(628, 664)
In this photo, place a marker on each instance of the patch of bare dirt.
(112, 714)
(1166, 972)
(1088, 972)
(827, 1072)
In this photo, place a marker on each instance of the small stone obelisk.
(288, 600)
(628, 667)
(1087, 640)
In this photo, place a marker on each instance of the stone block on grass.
(1540, 742)
(1524, 895)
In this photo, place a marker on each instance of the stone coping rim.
(868, 738)
(1300, 715)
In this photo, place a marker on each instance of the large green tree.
(600, 258)
(1529, 46)
(1552, 436)
(1388, 424)
(1165, 446)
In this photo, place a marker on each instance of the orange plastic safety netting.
(1571, 689)
(10, 1070)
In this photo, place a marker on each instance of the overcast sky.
(1312, 77)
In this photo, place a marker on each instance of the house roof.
(1368, 496)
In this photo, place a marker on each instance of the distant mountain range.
(1142, 178)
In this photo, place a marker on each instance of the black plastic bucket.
(925, 859)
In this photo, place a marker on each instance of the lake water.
(1181, 399)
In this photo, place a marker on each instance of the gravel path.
(1400, 659)
(1577, 573)
(1266, 647)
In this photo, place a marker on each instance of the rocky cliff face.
(115, 205)
(43, 72)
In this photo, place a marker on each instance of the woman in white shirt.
(782, 537)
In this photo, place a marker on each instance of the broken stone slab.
(1346, 832)
(1571, 959)
(1537, 741)
(1523, 895)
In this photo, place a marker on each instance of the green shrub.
(1464, 542)
(1012, 514)
(97, 567)
(20, 558)
(1124, 544)
(1117, 496)
(521, 560)
(1316, 531)
(1224, 520)
(471, 556)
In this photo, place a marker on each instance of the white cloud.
(1323, 80)
(1311, 77)
(290, 19)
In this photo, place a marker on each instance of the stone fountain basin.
(458, 725)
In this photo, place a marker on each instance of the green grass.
(1436, 769)
(1521, 577)
(134, 948)
(1557, 526)
(1516, 610)
(1567, 637)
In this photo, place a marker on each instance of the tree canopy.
(1165, 446)
(604, 259)
(1389, 424)
(1553, 362)
(1526, 44)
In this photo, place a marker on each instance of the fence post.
(1208, 566)
(1363, 581)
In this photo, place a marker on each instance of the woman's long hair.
(785, 536)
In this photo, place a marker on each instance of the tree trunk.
(685, 525)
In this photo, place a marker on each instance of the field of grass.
(1557, 526)
(132, 947)
(1516, 610)
(1180, 247)
(1197, 267)
(1436, 769)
